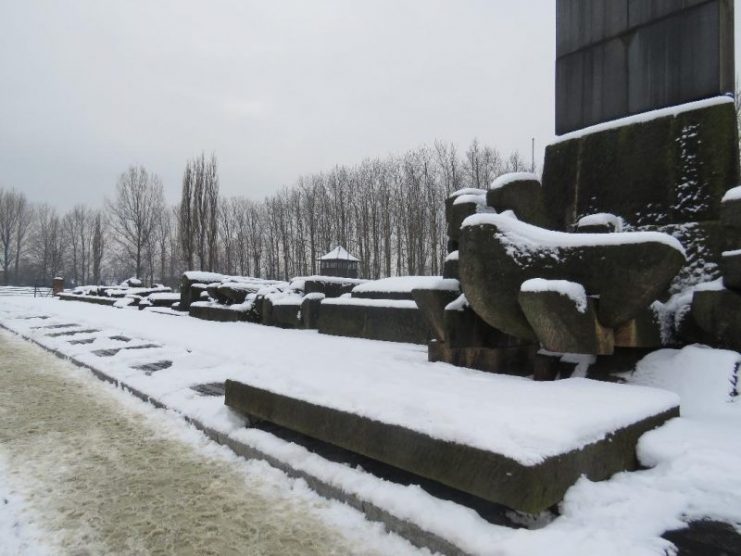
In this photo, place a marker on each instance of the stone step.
(493, 476)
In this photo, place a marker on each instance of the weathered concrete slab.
(488, 475)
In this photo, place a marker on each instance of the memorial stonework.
(621, 57)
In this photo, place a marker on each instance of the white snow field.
(88, 469)
(694, 459)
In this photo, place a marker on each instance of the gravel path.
(106, 474)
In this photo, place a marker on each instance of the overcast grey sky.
(275, 89)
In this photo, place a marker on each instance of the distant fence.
(25, 291)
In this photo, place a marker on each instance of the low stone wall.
(374, 322)
(216, 313)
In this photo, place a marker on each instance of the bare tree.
(13, 206)
(138, 199)
(98, 246)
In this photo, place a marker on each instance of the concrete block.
(486, 474)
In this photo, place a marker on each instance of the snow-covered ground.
(695, 459)
(88, 469)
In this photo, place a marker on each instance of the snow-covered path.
(86, 469)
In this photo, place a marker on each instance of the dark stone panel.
(583, 22)
(622, 60)
(592, 85)
(675, 60)
(488, 475)
(641, 12)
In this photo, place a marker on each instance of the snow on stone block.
(627, 270)
(644, 117)
(601, 222)
(521, 195)
(498, 471)
(467, 191)
(98, 300)
(390, 320)
(572, 290)
(730, 210)
(329, 286)
(513, 177)
(730, 268)
(667, 167)
(214, 312)
(563, 318)
(401, 287)
(165, 299)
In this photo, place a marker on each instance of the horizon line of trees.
(389, 212)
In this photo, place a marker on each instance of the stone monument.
(622, 57)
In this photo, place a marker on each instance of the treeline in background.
(387, 212)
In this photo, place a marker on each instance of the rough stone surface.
(455, 214)
(622, 57)
(431, 304)
(506, 360)
(488, 475)
(670, 170)
(718, 314)
(232, 294)
(628, 277)
(286, 316)
(524, 197)
(391, 324)
(329, 289)
(463, 328)
(450, 269)
(561, 327)
(87, 298)
(730, 267)
(644, 331)
(730, 213)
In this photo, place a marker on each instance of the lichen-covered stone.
(563, 327)
(668, 170)
(498, 254)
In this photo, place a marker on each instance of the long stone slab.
(373, 319)
(483, 473)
